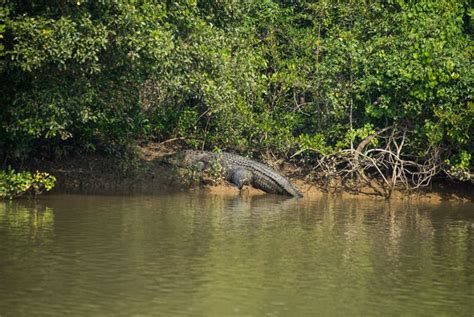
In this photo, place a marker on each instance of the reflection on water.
(197, 254)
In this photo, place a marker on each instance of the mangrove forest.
(376, 93)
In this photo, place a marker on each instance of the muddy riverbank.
(98, 174)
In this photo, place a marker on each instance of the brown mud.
(94, 174)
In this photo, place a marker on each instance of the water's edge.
(94, 174)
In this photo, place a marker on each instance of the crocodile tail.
(294, 192)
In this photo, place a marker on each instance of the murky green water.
(202, 255)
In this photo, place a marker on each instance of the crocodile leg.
(240, 177)
(200, 166)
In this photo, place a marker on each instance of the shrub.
(14, 184)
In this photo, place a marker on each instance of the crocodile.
(236, 169)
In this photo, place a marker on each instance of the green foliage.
(14, 184)
(2, 30)
(249, 76)
(459, 165)
(315, 142)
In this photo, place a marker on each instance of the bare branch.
(384, 168)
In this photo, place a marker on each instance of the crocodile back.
(264, 177)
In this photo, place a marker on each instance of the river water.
(196, 254)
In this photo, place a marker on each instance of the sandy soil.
(98, 175)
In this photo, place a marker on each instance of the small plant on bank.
(187, 176)
(215, 170)
(14, 184)
(458, 168)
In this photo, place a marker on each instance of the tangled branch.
(382, 168)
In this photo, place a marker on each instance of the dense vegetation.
(311, 78)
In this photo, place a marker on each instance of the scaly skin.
(238, 170)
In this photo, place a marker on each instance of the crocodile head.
(188, 159)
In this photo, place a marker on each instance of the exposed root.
(382, 168)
